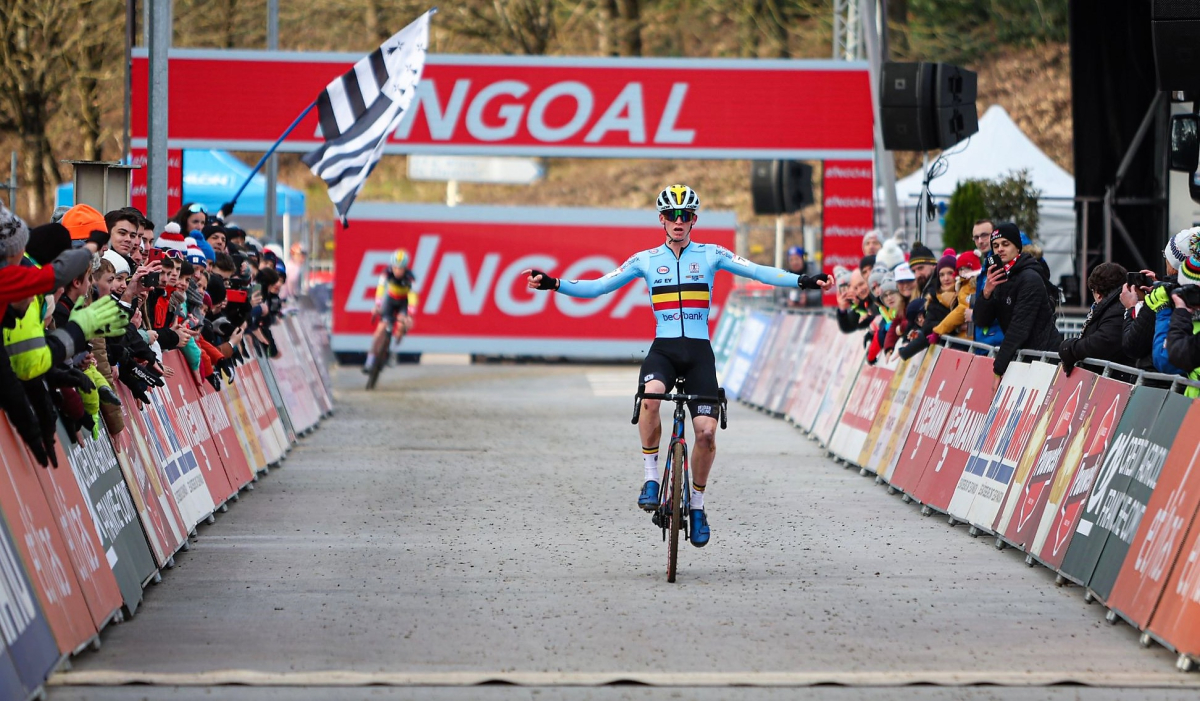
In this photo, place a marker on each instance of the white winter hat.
(890, 255)
(119, 264)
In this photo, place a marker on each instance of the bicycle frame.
(678, 436)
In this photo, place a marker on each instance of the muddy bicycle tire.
(677, 458)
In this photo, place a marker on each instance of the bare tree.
(34, 37)
(510, 26)
(95, 65)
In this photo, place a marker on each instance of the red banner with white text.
(848, 213)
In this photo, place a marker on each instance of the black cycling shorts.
(393, 308)
(689, 358)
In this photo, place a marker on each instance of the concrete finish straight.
(481, 520)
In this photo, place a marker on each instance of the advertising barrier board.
(898, 415)
(930, 417)
(862, 408)
(754, 330)
(841, 381)
(1010, 421)
(1065, 507)
(1025, 502)
(1160, 536)
(1114, 507)
(29, 645)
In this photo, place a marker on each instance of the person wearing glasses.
(680, 275)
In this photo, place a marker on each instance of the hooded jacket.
(1102, 337)
(1021, 306)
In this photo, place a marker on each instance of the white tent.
(998, 149)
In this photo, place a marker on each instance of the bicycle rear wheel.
(677, 457)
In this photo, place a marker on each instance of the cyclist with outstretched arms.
(680, 276)
(393, 297)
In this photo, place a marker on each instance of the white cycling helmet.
(678, 197)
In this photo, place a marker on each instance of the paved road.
(467, 523)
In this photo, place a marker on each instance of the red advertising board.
(959, 437)
(183, 406)
(1106, 404)
(1155, 549)
(224, 436)
(137, 191)
(536, 105)
(42, 548)
(263, 413)
(156, 507)
(469, 264)
(935, 404)
(848, 213)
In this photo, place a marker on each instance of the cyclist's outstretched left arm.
(630, 270)
(724, 259)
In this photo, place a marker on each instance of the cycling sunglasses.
(684, 215)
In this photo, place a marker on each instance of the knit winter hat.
(1009, 232)
(888, 285)
(46, 242)
(866, 261)
(1181, 246)
(876, 277)
(81, 220)
(968, 264)
(904, 273)
(119, 263)
(195, 256)
(172, 241)
(948, 260)
(1189, 271)
(13, 233)
(216, 289)
(921, 254)
(889, 256)
(841, 276)
(873, 234)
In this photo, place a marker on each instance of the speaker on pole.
(796, 185)
(927, 106)
(1175, 30)
(766, 193)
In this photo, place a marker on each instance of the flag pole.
(295, 123)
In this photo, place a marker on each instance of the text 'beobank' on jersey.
(680, 288)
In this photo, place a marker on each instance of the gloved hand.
(59, 376)
(108, 396)
(547, 282)
(226, 209)
(20, 412)
(91, 422)
(807, 282)
(137, 386)
(103, 318)
(1158, 298)
(933, 338)
(146, 374)
(214, 381)
(69, 265)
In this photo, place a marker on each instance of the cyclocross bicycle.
(382, 354)
(674, 501)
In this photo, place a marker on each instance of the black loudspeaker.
(906, 100)
(1175, 28)
(796, 186)
(765, 191)
(780, 187)
(927, 106)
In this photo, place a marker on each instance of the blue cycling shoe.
(648, 499)
(699, 528)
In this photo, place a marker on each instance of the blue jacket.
(1162, 322)
(991, 335)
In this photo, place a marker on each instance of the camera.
(1190, 294)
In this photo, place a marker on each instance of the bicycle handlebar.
(719, 400)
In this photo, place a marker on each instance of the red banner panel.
(244, 426)
(1058, 525)
(862, 408)
(262, 410)
(156, 506)
(536, 105)
(848, 198)
(899, 411)
(182, 402)
(965, 423)
(225, 441)
(934, 409)
(43, 550)
(137, 190)
(470, 263)
(1161, 535)
(1024, 504)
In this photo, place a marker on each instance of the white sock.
(370, 359)
(697, 499)
(651, 463)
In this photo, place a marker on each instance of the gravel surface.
(482, 519)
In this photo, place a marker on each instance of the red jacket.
(18, 282)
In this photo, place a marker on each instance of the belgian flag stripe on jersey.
(692, 294)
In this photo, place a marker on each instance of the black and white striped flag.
(360, 109)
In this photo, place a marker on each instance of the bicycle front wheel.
(377, 367)
(677, 458)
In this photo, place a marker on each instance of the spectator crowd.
(1000, 294)
(91, 300)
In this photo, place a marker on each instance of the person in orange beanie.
(86, 224)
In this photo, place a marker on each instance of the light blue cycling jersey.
(680, 289)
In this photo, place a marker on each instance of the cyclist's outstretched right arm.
(630, 270)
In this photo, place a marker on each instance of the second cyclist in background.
(393, 297)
